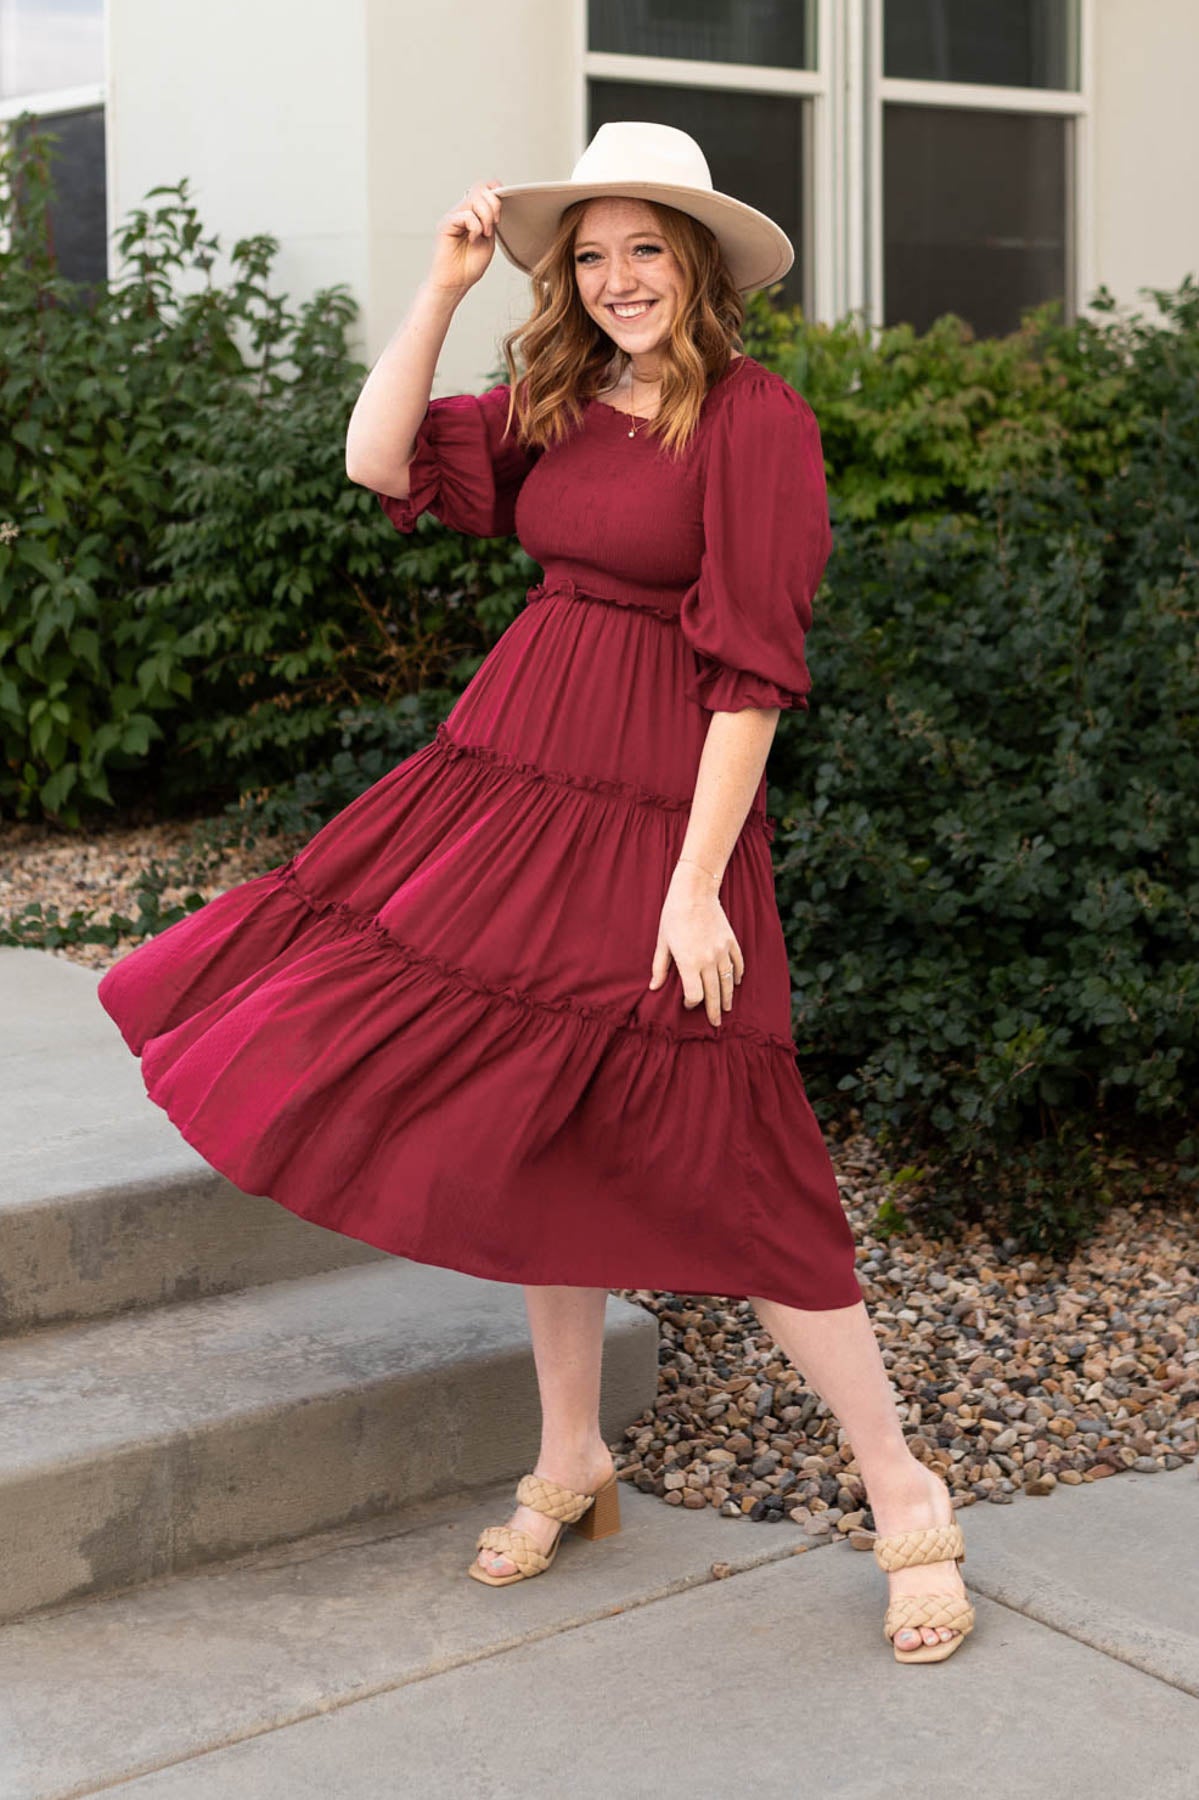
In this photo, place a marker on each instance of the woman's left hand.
(694, 932)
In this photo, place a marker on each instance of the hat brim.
(756, 250)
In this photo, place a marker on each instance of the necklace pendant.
(632, 431)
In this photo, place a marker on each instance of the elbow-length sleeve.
(767, 538)
(465, 469)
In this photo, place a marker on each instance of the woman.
(448, 1026)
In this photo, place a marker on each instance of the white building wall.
(345, 128)
(455, 95)
(1146, 145)
(259, 103)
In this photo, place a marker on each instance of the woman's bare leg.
(567, 1327)
(838, 1356)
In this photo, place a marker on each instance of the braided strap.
(549, 1498)
(931, 1544)
(515, 1544)
(911, 1611)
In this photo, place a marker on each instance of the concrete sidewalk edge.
(1167, 1655)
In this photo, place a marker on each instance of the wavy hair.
(566, 355)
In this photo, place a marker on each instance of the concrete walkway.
(364, 1664)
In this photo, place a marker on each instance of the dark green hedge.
(989, 867)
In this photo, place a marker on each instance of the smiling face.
(628, 277)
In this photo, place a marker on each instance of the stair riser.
(84, 1256)
(98, 1527)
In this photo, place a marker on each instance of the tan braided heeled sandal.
(591, 1515)
(932, 1544)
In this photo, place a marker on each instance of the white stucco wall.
(259, 104)
(454, 95)
(1145, 215)
(345, 128)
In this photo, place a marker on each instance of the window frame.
(1076, 106)
(843, 249)
(54, 100)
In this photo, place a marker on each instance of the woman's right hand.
(465, 241)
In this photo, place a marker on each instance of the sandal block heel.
(602, 1517)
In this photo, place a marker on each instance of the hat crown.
(638, 150)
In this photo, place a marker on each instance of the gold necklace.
(636, 417)
(633, 415)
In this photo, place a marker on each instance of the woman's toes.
(927, 1634)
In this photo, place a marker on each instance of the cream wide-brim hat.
(644, 161)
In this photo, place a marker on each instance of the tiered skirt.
(431, 1029)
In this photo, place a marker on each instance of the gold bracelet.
(695, 865)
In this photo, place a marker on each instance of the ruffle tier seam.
(340, 912)
(610, 787)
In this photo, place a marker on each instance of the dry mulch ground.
(1014, 1373)
(101, 871)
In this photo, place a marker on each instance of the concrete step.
(177, 1670)
(158, 1440)
(103, 1205)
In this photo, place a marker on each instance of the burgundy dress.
(431, 1029)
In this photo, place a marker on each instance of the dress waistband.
(569, 588)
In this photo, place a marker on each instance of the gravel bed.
(1015, 1373)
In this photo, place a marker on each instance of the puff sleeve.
(767, 538)
(465, 470)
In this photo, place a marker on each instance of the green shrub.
(191, 593)
(914, 427)
(989, 844)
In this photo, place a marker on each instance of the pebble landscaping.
(65, 873)
(1013, 1372)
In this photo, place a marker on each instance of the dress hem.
(479, 1269)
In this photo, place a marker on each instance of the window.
(976, 105)
(998, 43)
(742, 79)
(923, 156)
(777, 35)
(52, 65)
(77, 211)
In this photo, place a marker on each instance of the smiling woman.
(523, 1009)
